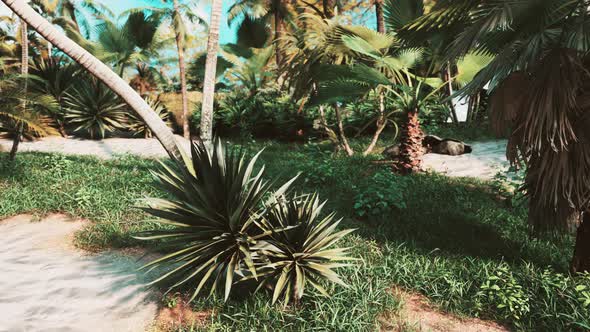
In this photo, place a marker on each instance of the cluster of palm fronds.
(226, 225)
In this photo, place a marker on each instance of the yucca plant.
(303, 254)
(94, 108)
(138, 126)
(216, 202)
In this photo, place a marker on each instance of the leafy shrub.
(501, 291)
(223, 226)
(138, 126)
(94, 108)
(380, 195)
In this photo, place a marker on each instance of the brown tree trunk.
(181, 66)
(278, 32)
(341, 134)
(379, 16)
(381, 122)
(411, 149)
(24, 70)
(15, 143)
(581, 257)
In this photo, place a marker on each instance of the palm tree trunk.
(181, 66)
(210, 73)
(341, 134)
(278, 31)
(448, 78)
(581, 258)
(379, 16)
(101, 71)
(410, 144)
(24, 70)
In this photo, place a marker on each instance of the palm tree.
(210, 75)
(24, 70)
(538, 78)
(176, 17)
(379, 16)
(276, 11)
(100, 70)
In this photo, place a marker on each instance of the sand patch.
(48, 285)
(418, 315)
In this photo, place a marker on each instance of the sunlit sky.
(227, 33)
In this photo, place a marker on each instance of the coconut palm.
(100, 70)
(539, 79)
(210, 75)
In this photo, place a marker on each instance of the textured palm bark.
(278, 31)
(210, 73)
(100, 71)
(181, 66)
(411, 145)
(24, 70)
(379, 16)
(581, 258)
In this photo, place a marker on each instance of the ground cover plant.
(490, 267)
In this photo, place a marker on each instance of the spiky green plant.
(94, 108)
(303, 254)
(138, 126)
(216, 201)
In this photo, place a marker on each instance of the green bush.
(381, 194)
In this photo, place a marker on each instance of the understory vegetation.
(450, 239)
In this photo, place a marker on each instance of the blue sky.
(227, 34)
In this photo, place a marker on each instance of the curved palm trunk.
(278, 31)
(411, 144)
(101, 71)
(24, 70)
(181, 66)
(210, 73)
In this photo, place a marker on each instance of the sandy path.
(486, 160)
(105, 149)
(47, 285)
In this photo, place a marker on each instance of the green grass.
(447, 238)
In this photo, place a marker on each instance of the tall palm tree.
(539, 79)
(24, 70)
(379, 16)
(100, 70)
(210, 72)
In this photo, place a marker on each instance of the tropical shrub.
(380, 195)
(301, 254)
(138, 126)
(93, 108)
(225, 224)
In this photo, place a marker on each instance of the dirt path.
(418, 315)
(48, 285)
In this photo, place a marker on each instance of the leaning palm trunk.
(24, 70)
(381, 123)
(411, 144)
(379, 16)
(210, 73)
(181, 66)
(100, 70)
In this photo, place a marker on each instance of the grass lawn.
(450, 239)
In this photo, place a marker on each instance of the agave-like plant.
(303, 253)
(94, 108)
(138, 126)
(216, 202)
